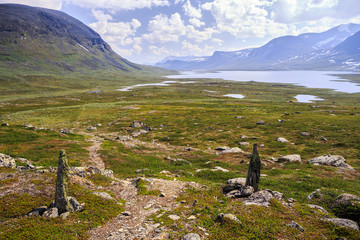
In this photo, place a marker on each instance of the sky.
(147, 31)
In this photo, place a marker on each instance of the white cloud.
(191, 11)
(196, 22)
(158, 50)
(52, 4)
(199, 36)
(194, 49)
(296, 11)
(119, 5)
(165, 29)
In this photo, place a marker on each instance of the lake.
(310, 79)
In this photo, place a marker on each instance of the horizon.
(148, 31)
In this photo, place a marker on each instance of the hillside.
(283, 53)
(43, 40)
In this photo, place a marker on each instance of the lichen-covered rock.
(263, 198)
(51, 213)
(315, 194)
(227, 217)
(330, 160)
(234, 184)
(290, 158)
(103, 195)
(7, 161)
(343, 222)
(61, 200)
(295, 225)
(191, 236)
(136, 124)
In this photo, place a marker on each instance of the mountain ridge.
(281, 53)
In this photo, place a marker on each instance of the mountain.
(287, 52)
(38, 39)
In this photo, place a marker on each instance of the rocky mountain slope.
(284, 53)
(47, 40)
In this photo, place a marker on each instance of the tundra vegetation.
(187, 122)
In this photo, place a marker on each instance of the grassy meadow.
(194, 115)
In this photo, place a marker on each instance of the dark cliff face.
(54, 37)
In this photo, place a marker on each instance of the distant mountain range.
(42, 40)
(335, 49)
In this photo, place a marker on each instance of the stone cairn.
(61, 199)
(253, 176)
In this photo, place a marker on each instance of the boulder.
(227, 217)
(234, 184)
(51, 213)
(305, 134)
(64, 131)
(77, 207)
(290, 158)
(244, 143)
(91, 128)
(233, 150)
(330, 160)
(217, 168)
(4, 124)
(107, 173)
(343, 222)
(282, 140)
(174, 217)
(136, 124)
(263, 198)
(139, 132)
(222, 148)
(315, 194)
(347, 206)
(37, 212)
(295, 225)
(191, 236)
(7, 161)
(321, 209)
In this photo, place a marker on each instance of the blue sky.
(146, 31)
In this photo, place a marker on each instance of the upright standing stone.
(253, 176)
(61, 199)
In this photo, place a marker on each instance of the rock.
(343, 222)
(136, 124)
(91, 128)
(217, 168)
(28, 126)
(244, 143)
(191, 236)
(245, 192)
(244, 137)
(295, 225)
(192, 217)
(64, 215)
(233, 150)
(260, 123)
(165, 172)
(147, 128)
(62, 177)
(290, 158)
(76, 206)
(234, 184)
(315, 194)
(98, 125)
(80, 171)
(107, 173)
(227, 217)
(330, 160)
(174, 217)
(51, 213)
(7, 161)
(323, 139)
(282, 140)
(240, 117)
(263, 198)
(37, 212)
(104, 195)
(4, 124)
(64, 131)
(137, 133)
(141, 170)
(347, 206)
(321, 209)
(223, 148)
(161, 236)
(305, 134)
(124, 138)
